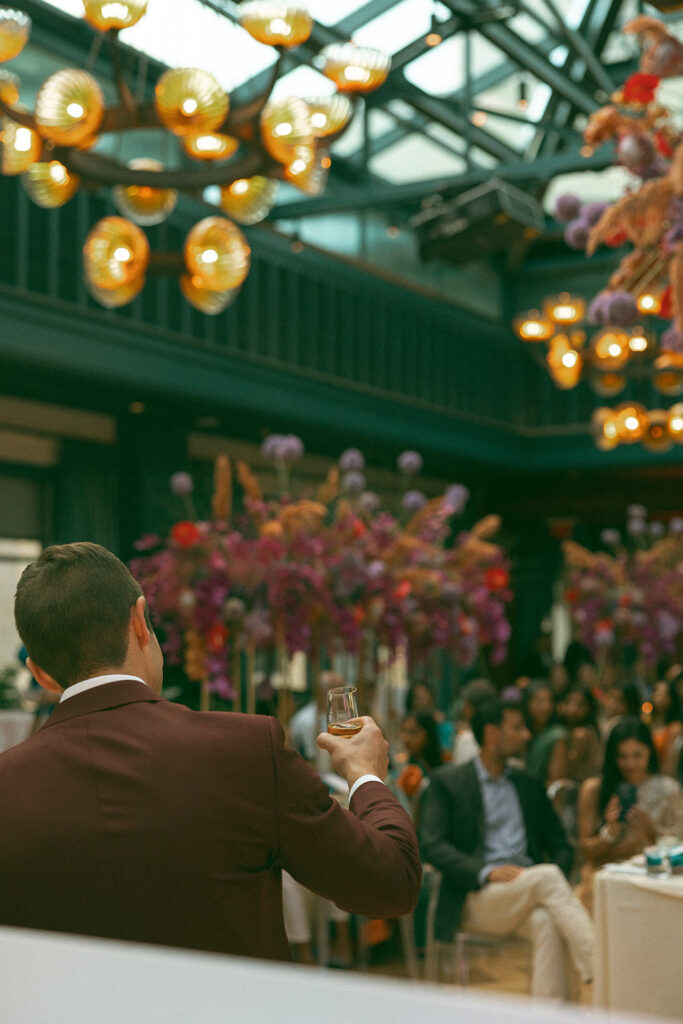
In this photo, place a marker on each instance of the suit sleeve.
(435, 842)
(366, 860)
(554, 842)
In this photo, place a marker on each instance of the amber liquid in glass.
(346, 729)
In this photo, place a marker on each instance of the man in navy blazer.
(128, 817)
(493, 834)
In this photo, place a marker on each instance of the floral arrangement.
(323, 572)
(629, 595)
(650, 215)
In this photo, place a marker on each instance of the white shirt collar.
(89, 684)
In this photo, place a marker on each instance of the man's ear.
(139, 622)
(43, 678)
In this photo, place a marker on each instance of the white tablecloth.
(639, 960)
(15, 726)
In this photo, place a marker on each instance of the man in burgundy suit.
(131, 818)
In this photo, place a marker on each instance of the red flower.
(666, 309)
(625, 600)
(497, 578)
(402, 590)
(572, 595)
(359, 615)
(616, 238)
(185, 534)
(640, 88)
(663, 145)
(216, 637)
(603, 626)
(358, 528)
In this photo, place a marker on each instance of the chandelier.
(244, 150)
(627, 348)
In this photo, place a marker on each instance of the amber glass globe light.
(657, 436)
(603, 429)
(211, 303)
(285, 125)
(308, 171)
(49, 184)
(113, 14)
(112, 298)
(209, 145)
(354, 68)
(607, 385)
(69, 107)
(249, 200)
(329, 114)
(190, 100)
(115, 253)
(21, 147)
(611, 350)
(676, 422)
(15, 28)
(668, 374)
(9, 87)
(144, 204)
(649, 303)
(630, 419)
(564, 309)
(276, 23)
(531, 326)
(217, 253)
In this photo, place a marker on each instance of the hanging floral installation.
(322, 574)
(630, 595)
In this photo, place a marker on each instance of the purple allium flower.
(672, 340)
(676, 526)
(353, 482)
(656, 529)
(576, 233)
(271, 446)
(636, 511)
(412, 501)
(369, 502)
(409, 463)
(567, 207)
(376, 569)
(456, 497)
(291, 448)
(622, 309)
(181, 484)
(668, 625)
(636, 151)
(636, 527)
(610, 537)
(598, 310)
(352, 458)
(592, 212)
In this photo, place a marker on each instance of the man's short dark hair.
(478, 692)
(491, 713)
(72, 610)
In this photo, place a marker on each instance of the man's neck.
(492, 762)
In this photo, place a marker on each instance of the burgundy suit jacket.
(129, 817)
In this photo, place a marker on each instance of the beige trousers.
(538, 905)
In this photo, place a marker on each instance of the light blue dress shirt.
(505, 839)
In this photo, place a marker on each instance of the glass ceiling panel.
(185, 33)
(329, 12)
(401, 24)
(441, 70)
(415, 158)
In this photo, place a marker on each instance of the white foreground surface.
(56, 979)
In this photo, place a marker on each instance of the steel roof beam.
(411, 194)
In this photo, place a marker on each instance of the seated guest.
(128, 817)
(474, 694)
(666, 724)
(420, 738)
(620, 811)
(547, 754)
(487, 829)
(584, 754)
(621, 700)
